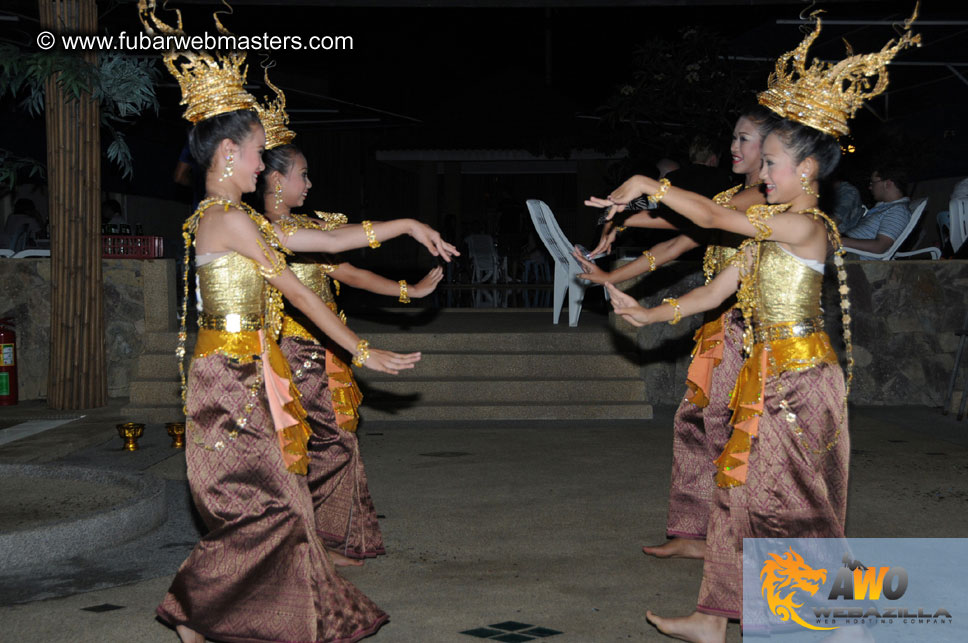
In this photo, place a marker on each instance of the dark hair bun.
(207, 134)
(804, 142)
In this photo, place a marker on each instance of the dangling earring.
(806, 186)
(278, 195)
(229, 167)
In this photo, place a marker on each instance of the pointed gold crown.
(274, 118)
(210, 85)
(825, 96)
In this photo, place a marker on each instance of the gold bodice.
(787, 290)
(231, 284)
(315, 275)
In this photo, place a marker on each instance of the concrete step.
(435, 390)
(500, 366)
(557, 342)
(405, 342)
(155, 392)
(157, 366)
(510, 411)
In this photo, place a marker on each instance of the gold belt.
(787, 330)
(292, 328)
(233, 322)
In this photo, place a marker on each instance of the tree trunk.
(77, 377)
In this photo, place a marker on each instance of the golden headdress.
(826, 95)
(274, 118)
(210, 85)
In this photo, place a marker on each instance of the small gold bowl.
(131, 431)
(177, 432)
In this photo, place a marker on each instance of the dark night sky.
(466, 68)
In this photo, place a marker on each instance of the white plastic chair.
(567, 267)
(484, 260)
(486, 268)
(892, 253)
(33, 252)
(958, 222)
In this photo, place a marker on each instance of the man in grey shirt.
(885, 222)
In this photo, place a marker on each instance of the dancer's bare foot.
(678, 548)
(697, 627)
(343, 561)
(188, 635)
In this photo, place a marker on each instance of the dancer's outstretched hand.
(609, 234)
(632, 189)
(390, 362)
(431, 239)
(426, 285)
(627, 307)
(605, 204)
(592, 272)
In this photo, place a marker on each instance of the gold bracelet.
(621, 228)
(651, 258)
(675, 306)
(661, 192)
(362, 353)
(404, 297)
(370, 235)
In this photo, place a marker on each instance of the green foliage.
(680, 85)
(12, 166)
(124, 87)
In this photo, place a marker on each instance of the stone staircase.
(153, 387)
(476, 365)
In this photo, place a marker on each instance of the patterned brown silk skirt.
(345, 517)
(795, 488)
(260, 573)
(699, 435)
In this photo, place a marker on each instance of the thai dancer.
(346, 519)
(260, 573)
(701, 425)
(783, 472)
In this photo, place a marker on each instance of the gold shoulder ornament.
(331, 220)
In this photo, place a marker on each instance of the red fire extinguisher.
(8, 363)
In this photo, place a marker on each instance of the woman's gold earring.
(278, 192)
(229, 167)
(806, 186)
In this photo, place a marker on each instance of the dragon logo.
(782, 577)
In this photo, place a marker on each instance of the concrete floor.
(536, 523)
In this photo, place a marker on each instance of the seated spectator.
(111, 213)
(847, 207)
(22, 226)
(883, 223)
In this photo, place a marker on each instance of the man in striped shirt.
(883, 223)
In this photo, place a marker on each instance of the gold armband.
(664, 185)
(370, 235)
(651, 258)
(672, 301)
(404, 296)
(277, 262)
(362, 353)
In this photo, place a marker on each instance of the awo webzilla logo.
(795, 591)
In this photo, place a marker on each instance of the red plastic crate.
(128, 247)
